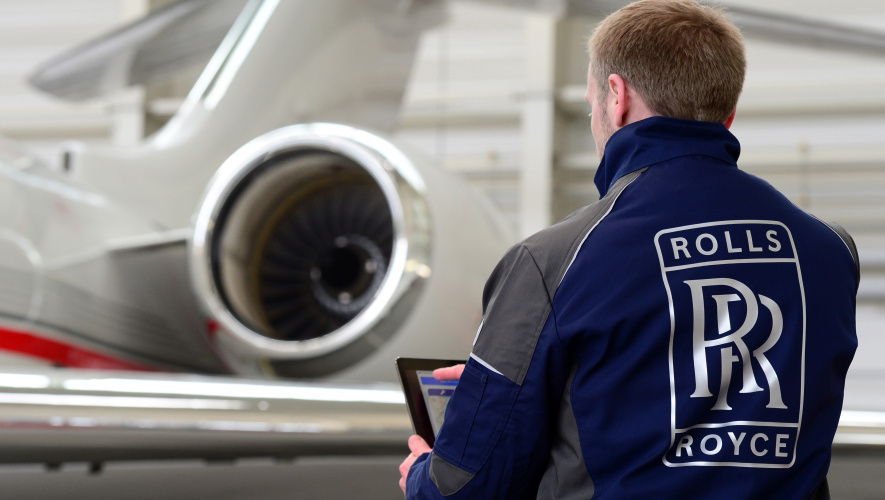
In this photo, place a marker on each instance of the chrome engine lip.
(394, 174)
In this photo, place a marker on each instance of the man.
(686, 336)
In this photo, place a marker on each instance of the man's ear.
(728, 121)
(620, 103)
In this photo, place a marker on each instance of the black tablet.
(426, 396)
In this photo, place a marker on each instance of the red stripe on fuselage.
(30, 344)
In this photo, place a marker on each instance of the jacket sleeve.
(494, 442)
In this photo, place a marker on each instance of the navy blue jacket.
(686, 336)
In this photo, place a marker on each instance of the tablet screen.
(426, 396)
(436, 395)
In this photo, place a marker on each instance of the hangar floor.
(853, 476)
(307, 479)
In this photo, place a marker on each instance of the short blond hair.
(686, 60)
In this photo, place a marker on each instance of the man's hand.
(418, 447)
(450, 373)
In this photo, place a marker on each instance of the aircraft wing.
(60, 416)
(183, 35)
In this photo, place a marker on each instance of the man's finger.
(404, 471)
(418, 446)
(448, 373)
(406, 465)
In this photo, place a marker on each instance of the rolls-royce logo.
(736, 345)
(734, 340)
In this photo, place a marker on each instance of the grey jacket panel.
(849, 242)
(555, 248)
(519, 294)
(566, 477)
(447, 477)
(514, 316)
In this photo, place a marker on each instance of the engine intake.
(305, 245)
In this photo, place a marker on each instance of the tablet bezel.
(407, 369)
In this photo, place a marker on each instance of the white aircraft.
(270, 229)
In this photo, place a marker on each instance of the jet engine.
(326, 250)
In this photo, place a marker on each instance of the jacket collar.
(657, 139)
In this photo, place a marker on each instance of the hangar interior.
(496, 98)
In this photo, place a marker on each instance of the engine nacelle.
(324, 249)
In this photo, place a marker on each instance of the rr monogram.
(727, 343)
